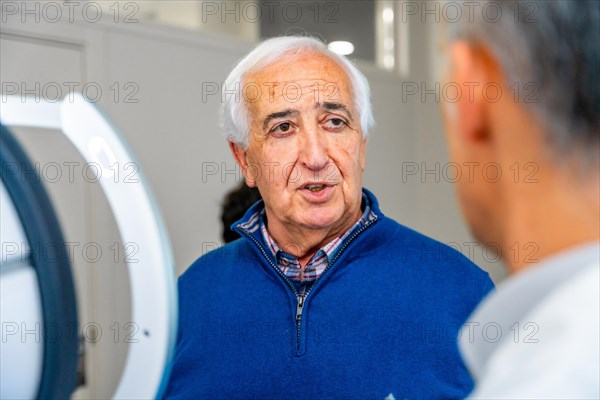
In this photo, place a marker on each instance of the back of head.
(235, 204)
(549, 51)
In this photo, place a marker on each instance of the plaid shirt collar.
(289, 265)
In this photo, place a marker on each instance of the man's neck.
(557, 214)
(303, 242)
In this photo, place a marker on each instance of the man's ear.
(239, 154)
(470, 72)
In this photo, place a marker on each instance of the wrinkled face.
(306, 152)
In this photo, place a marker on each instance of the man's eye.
(282, 129)
(335, 123)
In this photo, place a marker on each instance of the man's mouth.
(315, 187)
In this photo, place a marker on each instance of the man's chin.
(318, 219)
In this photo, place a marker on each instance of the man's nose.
(313, 149)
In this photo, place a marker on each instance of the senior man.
(323, 296)
(543, 337)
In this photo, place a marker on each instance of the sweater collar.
(249, 225)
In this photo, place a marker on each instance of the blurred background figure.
(538, 335)
(234, 206)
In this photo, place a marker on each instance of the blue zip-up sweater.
(381, 320)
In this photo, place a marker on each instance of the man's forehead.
(313, 78)
(308, 66)
(303, 62)
(294, 91)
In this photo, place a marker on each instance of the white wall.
(175, 135)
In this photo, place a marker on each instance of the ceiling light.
(341, 47)
(388, 61)
(388, 15)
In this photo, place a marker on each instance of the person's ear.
(469, 73)
(240, 156)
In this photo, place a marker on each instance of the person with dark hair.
(538, 335)
(235, 205)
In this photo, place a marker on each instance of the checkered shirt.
(289, 265)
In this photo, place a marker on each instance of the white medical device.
(40, 290)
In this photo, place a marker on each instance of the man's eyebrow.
(330, 106)
(279, 114)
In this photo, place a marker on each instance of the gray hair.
(235, 115)
(549, 52)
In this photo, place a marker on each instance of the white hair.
(235, 114)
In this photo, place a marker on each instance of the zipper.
(339, 253)
(301, 297)
(299, 309)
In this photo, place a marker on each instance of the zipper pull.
(300, 307)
